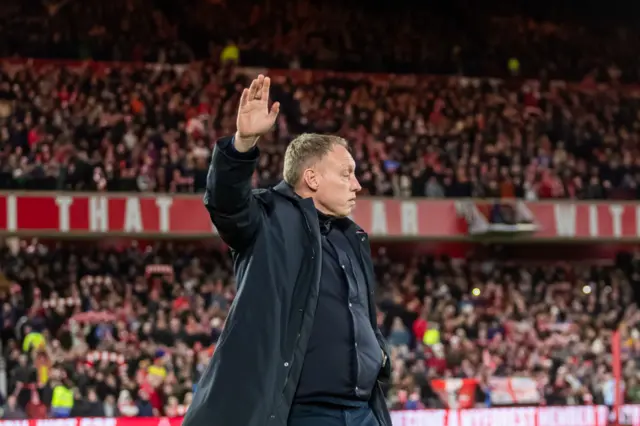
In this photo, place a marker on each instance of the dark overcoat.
(275, 240)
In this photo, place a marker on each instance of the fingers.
(244, 98)
(275, 109)
(255, 85)
(259, 88)
(259, 91)
(265, 88)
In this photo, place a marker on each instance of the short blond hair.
(304, 150)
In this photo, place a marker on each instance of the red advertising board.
(593, 415)
(587, 220)
(60, 214)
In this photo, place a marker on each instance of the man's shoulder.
(267, 195)
(267, 198)
(274, 202)
(264, 196)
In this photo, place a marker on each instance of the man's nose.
(355, 185)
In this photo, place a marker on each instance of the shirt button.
(286, 364)
(350, 304)
(272, 417)
(342, 266)
(357, 388)
(356, 344)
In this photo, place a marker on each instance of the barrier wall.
(594, 415)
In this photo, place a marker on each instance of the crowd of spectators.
(128, 331)
(89, 330)
(488, 39)
(91, 127)
(122, 338)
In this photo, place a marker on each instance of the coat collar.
(283, 188)
(286, 190)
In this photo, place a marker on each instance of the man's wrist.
(244, 144)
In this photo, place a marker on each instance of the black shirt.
(343, 357)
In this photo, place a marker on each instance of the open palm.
(254, 116)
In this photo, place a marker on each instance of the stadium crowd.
(128, 332)
(132, 128)
(94, 331)
(499, 39)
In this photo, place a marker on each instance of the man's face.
(337, 183)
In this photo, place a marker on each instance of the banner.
(514, 391)
(595, 415)
(68, 214)
(460, 393)
(53, 214)
(455, 393)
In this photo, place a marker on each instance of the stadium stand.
(541, 39)
(130, 128)
(105, 324)
(128, 96)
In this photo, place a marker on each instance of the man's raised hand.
(254, 116)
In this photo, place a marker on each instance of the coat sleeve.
(228, 198)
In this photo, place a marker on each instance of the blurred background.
(498, 148)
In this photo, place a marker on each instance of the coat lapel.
(359, 241)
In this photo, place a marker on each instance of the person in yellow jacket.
(158, 369)
(61, 401)
(513, 65)
(33, 340)
(230, 53)
(432, 335)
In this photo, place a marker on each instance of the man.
(12, 411)
(300, 345)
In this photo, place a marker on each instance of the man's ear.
(310, 177)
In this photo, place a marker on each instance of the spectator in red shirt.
(35, 409)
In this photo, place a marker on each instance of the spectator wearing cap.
(157, 369)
